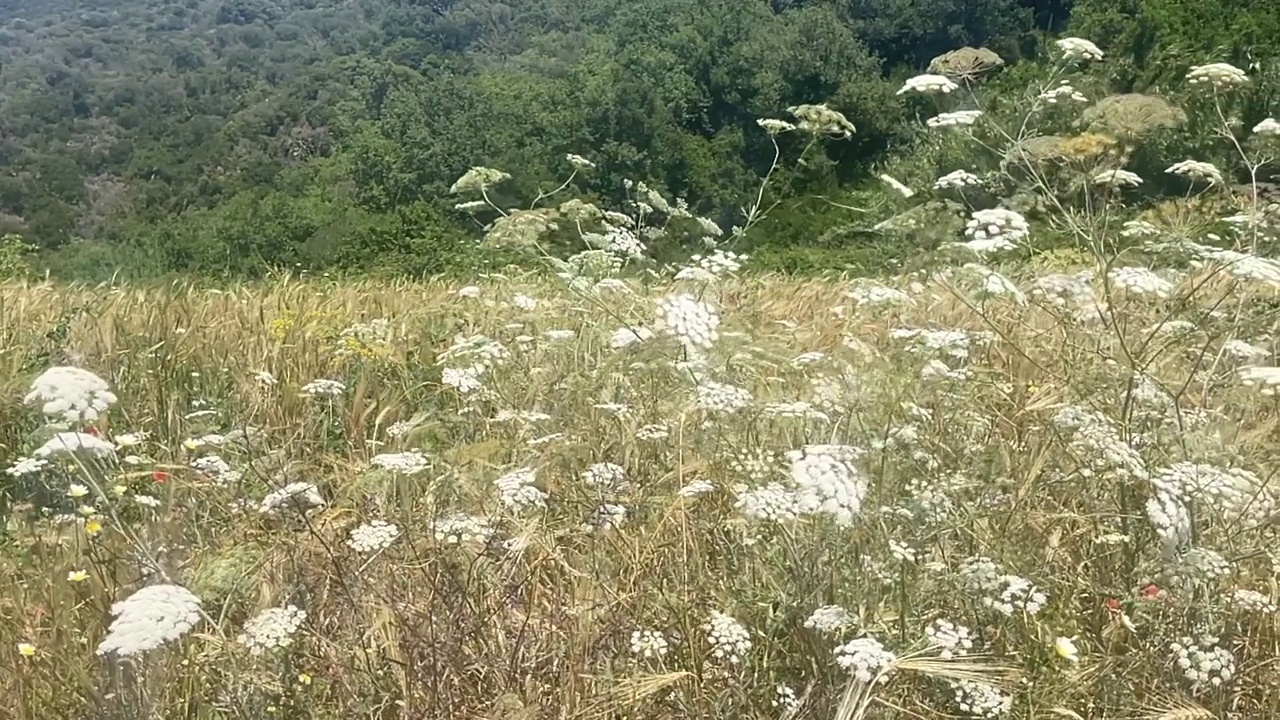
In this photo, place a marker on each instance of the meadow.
(954, 494)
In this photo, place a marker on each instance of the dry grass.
(431, 629)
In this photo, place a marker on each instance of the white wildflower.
(648, 643)
(1074, 48)
(272, 628)
(830, 619)
(70, 443)
(959, 118)
(149, 618)
(928, 84)
(411, 462)
(866, 659)
(373, 536)
(691, 321)
(1219, 75)
(71, 394)
(956, 179)
(1197, 170)
(729, 640)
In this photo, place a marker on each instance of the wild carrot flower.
(71, 394)
(272, 628)
(928, 84)
(1074, 48)
(373, 536)
(729, 640)
(149, 618)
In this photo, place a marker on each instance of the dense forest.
(238, 136)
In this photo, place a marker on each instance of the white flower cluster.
(866, 659)
(1243, 351)
(821, 120)
(688, 319)
(1270, 127)
(149, 618)
(995, 229)
(410, 462)
(272, 628)
(216, 470)
(26, 466)
(1265, 378)
(623, 242)
(1096, 442)
(1016, 594)
(774, 126)
(1198, 568)
(1233, 494)
(830, 619)
(729, 640)
(952, 639)
(696, 487)
(1203, 662)
(722, 397)
(1117, 179)
(798, 409)
(362, 338)
(605, 476)
(1197, 170)
(626, 337)
(867, 292)
(71, 394)
(648, 643)
(709, 267)
(462, 529)
(980, 700)
(784, 698)
(928, 84)
(478, 178)
(301, 495)
(954, 344)
(608, 516)
(323, 388)
(69, 443)
(373, 536)
(1074, 48)
(1141, 281)
(652, 433)
(958, 118)
(774, 502)
(1251, 601)
(1219, 75)
(956, 179)
(827, 482)
(516, 490)
(1064, 91)
(467, 361)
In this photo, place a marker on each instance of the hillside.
(242, 135)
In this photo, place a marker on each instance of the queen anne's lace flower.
(957, 179)
(71, 394)
(1074, 48)
(691, 321)
(516, 490)
(300, 495)
(462, 529)
(373, 536)
(1251, 601)
(1064, 91)
(976, 699)
(827, 482)
(272, 628)
(411, 462)
(1141, 281)
(959, 118)
(773, 502)
(69, 443)
(729, 640)
(995, 229)
(928, 84)
(149, 618)
(648, 643)
(830, 619)
(1117, 179)
(866, 659)
(1196, 170)
(323, 388)
(1269, 127)
(1203, 662)
(722, 398)
(950, 638)
(1219, 75)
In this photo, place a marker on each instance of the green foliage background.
(238, 137)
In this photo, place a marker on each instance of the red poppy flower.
(1150, 592)
(160, 476)
(1113, 605)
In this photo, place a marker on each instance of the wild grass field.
(1040, 495)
